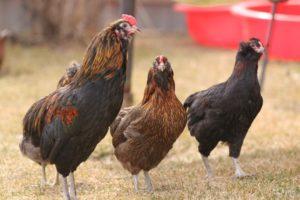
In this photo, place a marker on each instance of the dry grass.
(271, 150)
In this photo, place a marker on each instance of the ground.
(271, 151)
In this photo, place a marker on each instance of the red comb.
(161, 59)
(130, 19)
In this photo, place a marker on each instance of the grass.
(271, 150)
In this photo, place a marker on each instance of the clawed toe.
(243, 175)
(52, 184)
(43, 183)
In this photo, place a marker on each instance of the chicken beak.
(260, 49)
(134, 29)
(161, 67)
(137, 29)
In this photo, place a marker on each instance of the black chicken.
(225, 112)
(64, 127)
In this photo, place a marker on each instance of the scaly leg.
(136, 182)
(72, 186)
(65, 188)
(148, 182)
(56, 180)
(44, 179)
(239, 173)
(209, 173)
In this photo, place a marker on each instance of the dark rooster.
(64, 127)
(225, 112)
(69, 75)
(143, 134)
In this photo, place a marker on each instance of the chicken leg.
(44, 179)
(136, 182)
(56, 180)
(148, 182)
(209, 173)
(72, 187)
(239, 173)
(65, 189)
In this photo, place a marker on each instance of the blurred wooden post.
(128, 7)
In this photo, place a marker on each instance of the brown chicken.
(64, 127)
(144, 134)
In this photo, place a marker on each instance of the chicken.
(70, 73)
(64, 127)
(64, 80)
(225, 112)
(143, 134)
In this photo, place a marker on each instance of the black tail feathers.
(188, 102)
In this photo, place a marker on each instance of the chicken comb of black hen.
(143, 134)
(225, 112)
(64, 127)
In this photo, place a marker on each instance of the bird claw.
(43, 183)
(73, 197)
(136, 190)
(149, 189)
(55, 183)
(242, 175)
(209, 177)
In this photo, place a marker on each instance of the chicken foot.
(148, 182)
(239, 173)
(44, 178)
(136, 182)
(209, 173)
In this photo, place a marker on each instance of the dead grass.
(271, 150)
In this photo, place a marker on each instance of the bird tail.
(188, 102)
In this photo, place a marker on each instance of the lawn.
(271, 150)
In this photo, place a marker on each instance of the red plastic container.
(255, 18)
(212, 26)
(226, 26)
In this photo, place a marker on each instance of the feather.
(143, 134)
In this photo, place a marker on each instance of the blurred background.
(39, 39)
(36, 21)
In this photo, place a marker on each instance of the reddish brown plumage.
(143, 134)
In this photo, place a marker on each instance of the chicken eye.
(124, 25)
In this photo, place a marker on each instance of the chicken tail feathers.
(33, 122)
(189, 101)
(117, 121)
